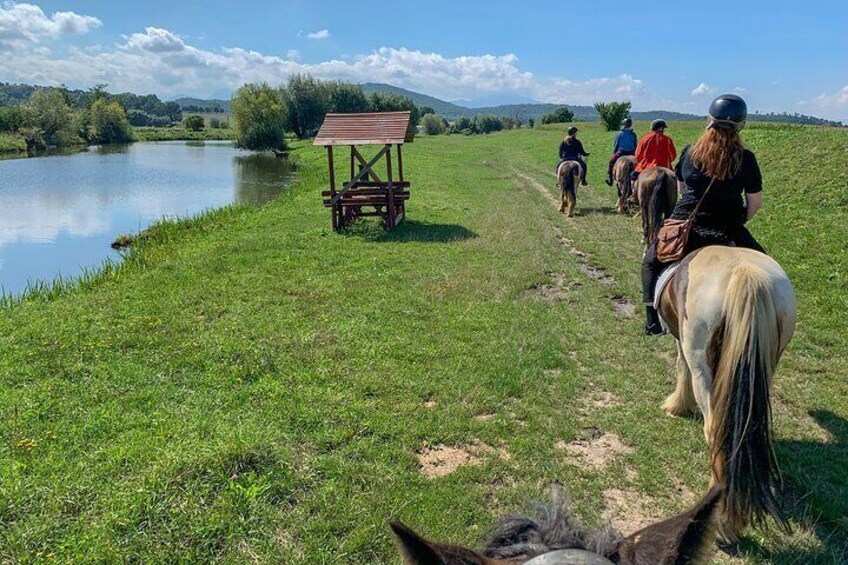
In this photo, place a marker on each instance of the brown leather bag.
(674, 234)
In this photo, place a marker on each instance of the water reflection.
(59, 214)
(257, 177)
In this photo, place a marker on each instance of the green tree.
(259, 115)
(561, 115)
(433, 124)
(108, 123)
(462, 124)
(391, 102)
(487, 124)
(531, 122)
(346, 98)
(50, 117)
(194, 123)
(172, 110)
(612, 113)
(424, 110)
(307, 101)
(11, 118)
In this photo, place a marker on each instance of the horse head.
(554, 537)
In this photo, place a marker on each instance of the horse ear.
(683, 540)
(419, 551)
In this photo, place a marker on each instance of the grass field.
(251, 386)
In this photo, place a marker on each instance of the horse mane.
(550, 527)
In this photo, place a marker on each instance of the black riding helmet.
(658, 125)
(626, 122)
(728, 110)
(572, 130)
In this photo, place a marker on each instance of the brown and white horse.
(621, 172)
(568, 177)
(656, 193)
(732, 311)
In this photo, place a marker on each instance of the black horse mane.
(550, 527)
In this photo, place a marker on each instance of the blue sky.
(780, 55)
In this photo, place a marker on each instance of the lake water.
(60, 213)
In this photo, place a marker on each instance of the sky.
(675, 55)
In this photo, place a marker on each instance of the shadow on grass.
(410, 231)
(596, 211)
(815, 496)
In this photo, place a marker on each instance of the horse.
(656, 193)
(621, 173)
(568, 177)
(554, 537)
(732, 312)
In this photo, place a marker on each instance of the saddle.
(662, 282)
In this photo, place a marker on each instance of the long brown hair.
(718, 152)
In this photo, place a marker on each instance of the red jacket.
(655, 150)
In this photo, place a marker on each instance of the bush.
(194, 123)
(612, 113)
(108, 123)
(561, 115)
(508, 123)
(462, 124)
(434, 125)
(531, 122)
(486, 124)
(214, 123)
(424, 110)
(259, 115)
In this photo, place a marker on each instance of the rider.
(624, 144)
(718, 156)
(570, 150)
(656, 149)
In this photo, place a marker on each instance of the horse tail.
(657, 206)
(746, 348)
(568, 186)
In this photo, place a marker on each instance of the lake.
(60, 213)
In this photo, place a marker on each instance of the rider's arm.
(753, 202)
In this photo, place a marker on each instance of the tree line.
(263, 114)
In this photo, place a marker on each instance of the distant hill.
(200, 105)
(446, 109)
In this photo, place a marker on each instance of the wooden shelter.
(366, 194)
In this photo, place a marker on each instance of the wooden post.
(352, 158)
(336, 206)
(400, 162)
(390, 208)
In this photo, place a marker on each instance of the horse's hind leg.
(702, 376)
(572, 202)
(682, 401)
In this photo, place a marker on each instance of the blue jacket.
(625, 140)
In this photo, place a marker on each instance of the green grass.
(179, 134)
(252, 386)
(10, 143)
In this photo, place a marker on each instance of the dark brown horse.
(554, 537)
(621, 175)
(656, 193)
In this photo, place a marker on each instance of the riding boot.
(652, 322)
(609, 180)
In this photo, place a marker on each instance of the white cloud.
(701, 89)
(834, 105)
(293, 55)
(22, 25)
(155, 40)
(740, 90)
(322, 34)
(623, 87)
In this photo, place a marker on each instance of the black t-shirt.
(723, 206)
(571, 151)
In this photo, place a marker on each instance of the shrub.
(559, 116)
(108, 123)
(346, 98)
(508, 123)
(390, 102)
(531, 122)
(462, 124)
(259, 114)
(11, 118)
(194, 123)
(434, 125)
(612, 113)
(49, 116)
(214, 123)
(486, 124)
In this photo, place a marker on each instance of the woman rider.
(718, 156)
(570, 150)
(624, 144)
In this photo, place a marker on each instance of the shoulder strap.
(701, 201)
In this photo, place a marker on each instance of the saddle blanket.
(663, 281)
